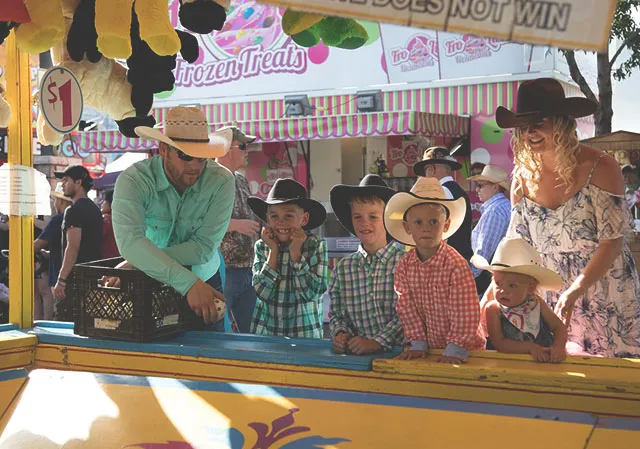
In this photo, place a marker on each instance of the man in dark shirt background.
(81, 233)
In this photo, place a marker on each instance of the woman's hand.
(566, 303)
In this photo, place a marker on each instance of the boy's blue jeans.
(240, 296)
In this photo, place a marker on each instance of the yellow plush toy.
(45, 28)
(104, 83)
(113, 25)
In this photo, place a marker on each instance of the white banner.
(583, 24)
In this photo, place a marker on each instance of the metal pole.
(20, 153)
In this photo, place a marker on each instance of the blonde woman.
(568, 202)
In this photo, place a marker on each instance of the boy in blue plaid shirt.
(290, 267)
(363, 300)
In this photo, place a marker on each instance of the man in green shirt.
(170, 212)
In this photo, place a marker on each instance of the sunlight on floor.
(95, 404)
(263, 393)
(174, 399)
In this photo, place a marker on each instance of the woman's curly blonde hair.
(528, 164)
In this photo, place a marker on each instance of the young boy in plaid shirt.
(437, 300)
(363, 315)
(290, 267)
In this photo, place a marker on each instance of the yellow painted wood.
(17, 350)
(614, 439)
(9, 390)
(20, 153)
(455, 387)
(522, 372)
(82, 413)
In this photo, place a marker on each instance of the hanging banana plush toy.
(307, 30)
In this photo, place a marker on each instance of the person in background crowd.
(81, 234)
(109, 246)
(363, 301)
(568, 203)
(437, 301)
(476, 168)
(492, 186)
(290, 267)
(171, 211)
(49, 242)
(438, 163)
(237, 244)
(631, 192)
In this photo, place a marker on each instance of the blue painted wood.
(300, 352)
(8, 327)
(12, 374)
(54, 324)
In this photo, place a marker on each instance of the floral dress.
(606, 320)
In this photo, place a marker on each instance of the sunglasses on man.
(185, 157)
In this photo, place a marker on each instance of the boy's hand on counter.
(340, 342)
(361, 345)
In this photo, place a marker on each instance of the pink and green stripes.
(357, 125)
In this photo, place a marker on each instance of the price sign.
(61, 99)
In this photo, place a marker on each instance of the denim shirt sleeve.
(204, 243)
(128, 216)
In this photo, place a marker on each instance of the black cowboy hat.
(288, 191)
(540, 98)
(341, 195)
(435, 155)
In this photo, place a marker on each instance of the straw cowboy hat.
(288, 191)
(514, 255)
(424, 191)
(435, 155)
(540, 98)
(341, 195)
(58, 193)
(494, 175)
(187, 129)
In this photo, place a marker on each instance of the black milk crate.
(140, 310)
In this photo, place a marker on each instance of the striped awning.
(311, 128)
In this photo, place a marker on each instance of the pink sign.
(271, 163)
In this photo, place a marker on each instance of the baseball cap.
(74, 172)
(239, 135)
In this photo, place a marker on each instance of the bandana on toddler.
(525, 316)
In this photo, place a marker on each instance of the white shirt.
(446, 190)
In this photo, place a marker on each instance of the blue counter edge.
(214, 345)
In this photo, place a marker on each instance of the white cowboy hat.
(425, 190)
(494, 175)
(514, 255)
(187, 129)
(59, 193)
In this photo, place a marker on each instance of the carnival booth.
(214, 390)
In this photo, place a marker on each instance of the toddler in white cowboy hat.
(516, 319)
(437, 301)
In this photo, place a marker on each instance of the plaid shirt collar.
(383, 254)
(491, 201)
(438, 259)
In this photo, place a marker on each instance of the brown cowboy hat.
(435, 155)
(289, 191)
(341, 195)
(540, 98)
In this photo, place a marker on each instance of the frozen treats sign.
(250, 44)
(581, 24)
